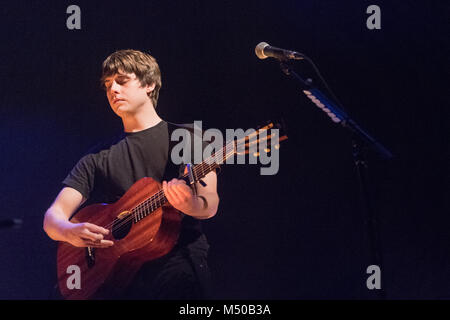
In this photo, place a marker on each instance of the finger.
(175, 183)
(84, 242)
(78, 243)
(95, 228)
(98, 244)
(172, 196)
(178, 181)
(105, 243)
(164, 186)
(181, 192)
(92, 236)
(184, 190)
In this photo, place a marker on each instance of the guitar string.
(160, 196)
(197, 169)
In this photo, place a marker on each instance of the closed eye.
(119, 80)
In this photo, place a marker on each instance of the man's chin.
(122, 109)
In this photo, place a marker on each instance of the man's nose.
(115, 87)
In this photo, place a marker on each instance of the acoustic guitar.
(142, 224)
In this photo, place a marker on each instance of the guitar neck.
(200, 170)
(212, 162)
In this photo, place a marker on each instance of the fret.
(199, 171)
(142, 211)
(153, 205)
(197, 174)
(157, 200)
(162, 199)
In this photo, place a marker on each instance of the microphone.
(263, 50)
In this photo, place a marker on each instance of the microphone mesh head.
(259, 50)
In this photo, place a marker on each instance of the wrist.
(65, 228)
(203, 202)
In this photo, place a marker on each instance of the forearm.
(55, 223)
(204, 208)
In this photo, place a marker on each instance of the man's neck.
(143, 119)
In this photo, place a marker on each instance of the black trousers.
(183, 274)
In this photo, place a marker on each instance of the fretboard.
(200, 170)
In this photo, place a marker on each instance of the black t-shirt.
(103, 176)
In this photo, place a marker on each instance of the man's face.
(125, 93)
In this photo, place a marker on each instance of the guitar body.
(103, 272)
(150, 232)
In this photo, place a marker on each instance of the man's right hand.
(86, 235)
(59, 228)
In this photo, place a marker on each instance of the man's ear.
(150, 88)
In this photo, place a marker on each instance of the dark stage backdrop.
(299, 234)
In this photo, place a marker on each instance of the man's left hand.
(180, 195)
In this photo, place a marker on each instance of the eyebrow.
(118, 76)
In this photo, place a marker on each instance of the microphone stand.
(361, 140)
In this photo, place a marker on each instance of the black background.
(299, 234)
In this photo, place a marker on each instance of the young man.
(132, 81)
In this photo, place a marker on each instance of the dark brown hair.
(143, 65)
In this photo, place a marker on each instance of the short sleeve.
(82, 176)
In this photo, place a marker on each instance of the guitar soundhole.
(121, 227)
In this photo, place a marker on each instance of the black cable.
(316, 69)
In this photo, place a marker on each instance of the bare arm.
(59, 228)
(182, 198)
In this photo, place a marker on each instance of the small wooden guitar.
(142, 224)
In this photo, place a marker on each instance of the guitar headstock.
(262, 143)
(267, 136)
